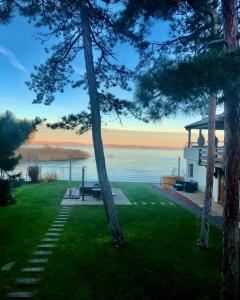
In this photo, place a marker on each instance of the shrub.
(5, 193)
(33, 173)
(17, 183)
(50, 176)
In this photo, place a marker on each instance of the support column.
(189, 137)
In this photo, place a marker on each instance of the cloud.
(12, 58)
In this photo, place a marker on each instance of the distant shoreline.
(45, 154)
(62, 144)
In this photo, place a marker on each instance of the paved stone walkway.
(31, 274)
(118, 196)
(185, 202)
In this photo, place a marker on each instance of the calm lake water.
(123, 164)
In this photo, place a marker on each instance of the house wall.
(191, 156)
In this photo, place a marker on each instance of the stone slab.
(50, 239)
(53, 234)
(57, 225)
(38, 260)
(19, 295)
(119, 199)
(63, 215)
(42, 252)
(46, 246)
(55, 229)
(26, 281)
(59, 221)
(8, 266)
(32, 270)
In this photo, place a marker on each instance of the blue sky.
(20, 51)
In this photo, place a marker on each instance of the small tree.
(13, 134)
(33, 173)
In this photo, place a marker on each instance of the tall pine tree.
(81, 26)
(214, 72)
(195, 27)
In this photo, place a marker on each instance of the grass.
(50, 154)
(160, 261)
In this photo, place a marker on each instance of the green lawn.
(160, 261)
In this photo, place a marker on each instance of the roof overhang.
(203, 124)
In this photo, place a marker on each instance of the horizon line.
(64, 143)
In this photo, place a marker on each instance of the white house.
(195, 154)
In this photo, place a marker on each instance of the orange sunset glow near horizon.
(113, 137)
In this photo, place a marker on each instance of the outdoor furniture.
(190, 187)
(178, 186)
(91, 190)
(87, 190)
(96, 192)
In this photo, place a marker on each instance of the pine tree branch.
(163, 45)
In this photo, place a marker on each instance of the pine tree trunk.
(206, 213)
(109, 205)
(230, 258)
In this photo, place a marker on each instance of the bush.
(5, 193)
(33, 173)
(17, 183)
(50, 176)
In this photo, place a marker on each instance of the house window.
(190, 170)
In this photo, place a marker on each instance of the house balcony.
(219, 160)
(200, 155)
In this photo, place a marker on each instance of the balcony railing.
(195, 144)
(203, 156)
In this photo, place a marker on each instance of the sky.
(20, 50)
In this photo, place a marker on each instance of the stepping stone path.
(46, 246)
(50, 239)
(8, 266)
(154, 203)
(42, 252)
(59, 222)
(52, 236)
(38, 260)
(55, 229)
(63, 215)
(19, 295)
(26, 281)
(34, 270)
